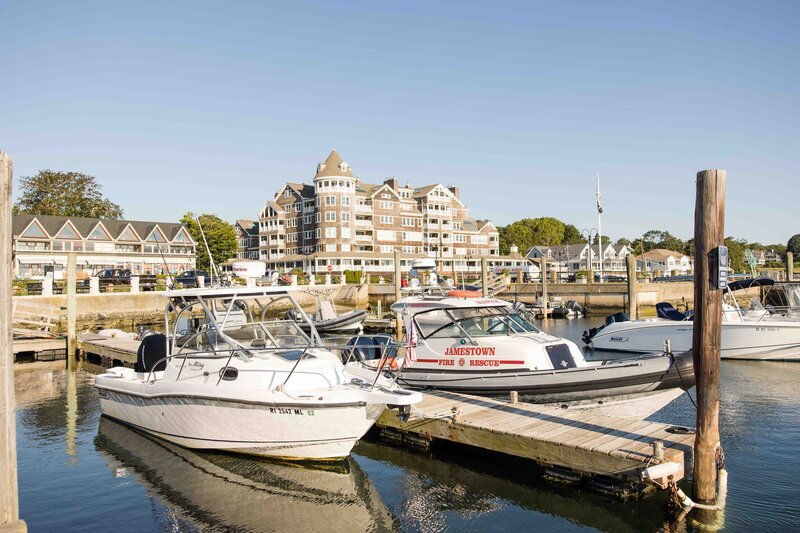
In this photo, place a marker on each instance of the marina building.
(41, 243)
(341, 222)
(569, 259)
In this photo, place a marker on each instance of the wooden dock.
(39, 349)
(572, 445)
(108, 351)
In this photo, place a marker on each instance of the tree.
(794, 245)
(67, 194)
(220, 235)
(571, 235)
(529, 232)
(622, 241)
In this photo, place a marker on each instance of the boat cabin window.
(475, 321)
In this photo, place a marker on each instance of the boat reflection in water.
(237, 493)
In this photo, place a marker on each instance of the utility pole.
(709, 231)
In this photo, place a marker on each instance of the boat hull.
(347, 323)
(601, 381)
(759, 340)
(278, 430)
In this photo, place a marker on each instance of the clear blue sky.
(212, 106)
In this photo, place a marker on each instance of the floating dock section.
(610, 453)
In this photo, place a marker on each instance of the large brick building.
(358, 224)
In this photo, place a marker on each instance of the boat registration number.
(287, 411)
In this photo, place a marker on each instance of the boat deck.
(584, 444)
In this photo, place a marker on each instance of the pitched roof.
(52, 224)
(333, 167)
(303, 189)
(662, 253)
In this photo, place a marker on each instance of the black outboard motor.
(610, 319)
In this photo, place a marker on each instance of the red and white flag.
(411, 355)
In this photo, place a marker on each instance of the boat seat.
(371, 348)
(617, 317)
(668, 311)
(152, 349)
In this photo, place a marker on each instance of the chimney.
(453, 189)
(392, 182)
(513, 248)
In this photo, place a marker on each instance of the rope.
(683, 385)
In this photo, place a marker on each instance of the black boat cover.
(750, 282)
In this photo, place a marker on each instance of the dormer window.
(344, 166)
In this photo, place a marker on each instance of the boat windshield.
(472, 321)
(224, 325)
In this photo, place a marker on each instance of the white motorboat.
(483, 346)
(240, 383)
(753, 333)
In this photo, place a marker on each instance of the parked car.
(121, 276)
(189, 277)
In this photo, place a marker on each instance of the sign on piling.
(709, 230)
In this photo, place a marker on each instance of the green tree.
(220, 235)
(67, 194)
(529, 232)
(794, 244)
(622, 241)
(571, 235)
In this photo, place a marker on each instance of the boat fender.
(457, 293)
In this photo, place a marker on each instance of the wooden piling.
(633, 304)
(709, 231)
(789, 266)
(485, 276)
(543, 269)
(72, 304)
(397, 285)
(9, 499)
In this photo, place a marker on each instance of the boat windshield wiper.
(457, 324)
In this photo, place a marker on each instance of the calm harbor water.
(79, 472)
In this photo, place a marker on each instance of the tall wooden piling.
(789, 266)
(9, 499)
(72, 304)
(397, 285)
(709, 230)
(633, 304)
(485, 276)
(543, 269)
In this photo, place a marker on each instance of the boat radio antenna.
(208, 251)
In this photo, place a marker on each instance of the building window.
(345, 200)
(330, 216)
(384, 204)
(330, 233)
(330, 200)
(384, 219)
(345, 216)
(297, 207)
(408, 221)
(345, 233)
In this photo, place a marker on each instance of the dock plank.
(582, 441)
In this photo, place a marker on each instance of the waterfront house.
(41, 243)
(662, 262)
